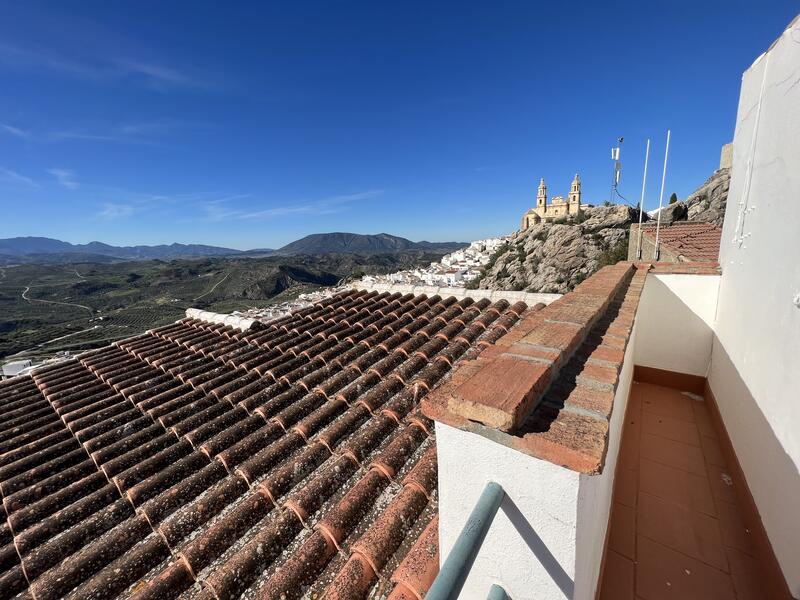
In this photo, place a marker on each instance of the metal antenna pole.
(656, 251)
(641, 202)
(615, 154)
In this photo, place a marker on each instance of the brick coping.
(547, 387)
(684, 268)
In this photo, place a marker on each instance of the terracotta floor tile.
(672, 453)
(703, 419)
(681, 529)
(663, 573)
(746, 576)
(622, 538)
(630, 449)
(634, 408)
(667, 402)
(721, 484)
(734, 532)
(676, 485)
(670, 428)
(712, 451)
(617, 578)
(626, 486)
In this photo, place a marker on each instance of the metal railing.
(454, 571)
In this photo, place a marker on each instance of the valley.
(50, 308)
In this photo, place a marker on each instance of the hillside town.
(453, 270)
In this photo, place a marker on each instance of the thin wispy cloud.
(15, 131)
(148, 73)
(157, 74)
(221, 210)
(111, 211)
(85, 136)
(65, 177)
(9, 176)
(151, 133)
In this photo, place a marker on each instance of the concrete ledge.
(529, 298)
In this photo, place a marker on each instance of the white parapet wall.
(529, 298)
(547, 540)
(223, 319)
(675, 322)
(755, 360)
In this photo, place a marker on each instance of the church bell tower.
(541, 195)
(575, 195)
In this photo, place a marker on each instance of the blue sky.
(250, 125)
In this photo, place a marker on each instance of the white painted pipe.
(641, 202)
(656, 252)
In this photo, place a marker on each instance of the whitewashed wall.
(675, 320)
(538, 518)
(547, 540)
(596, 491)
(755, 362)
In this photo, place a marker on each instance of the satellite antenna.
(615, 153)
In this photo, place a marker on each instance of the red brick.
(582, 398)
(611, 341)
(605, 355)
(579, 312)
(524, 351)
(622, 331)
(502, 394)
(533, 353)
(577, 442)
(563, 337)
(598, 377)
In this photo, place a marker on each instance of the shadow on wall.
(674, 323)
(770, 474)
(538, 547)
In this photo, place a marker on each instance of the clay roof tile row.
(204, 461)
(690, 241)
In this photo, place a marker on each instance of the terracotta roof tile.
(244, 461)
(691, 242)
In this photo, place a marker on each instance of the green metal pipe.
(454, 571)
(497, 593)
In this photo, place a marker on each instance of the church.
(558, 208)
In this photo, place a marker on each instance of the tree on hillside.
(674, 198)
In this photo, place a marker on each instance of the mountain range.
(48, 250)
(354, 243)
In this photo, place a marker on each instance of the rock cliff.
(555, 257)
(706, 203)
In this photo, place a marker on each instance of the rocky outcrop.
(555, 257)
(705, 204)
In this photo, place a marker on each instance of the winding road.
(29, 300)
(212, 288)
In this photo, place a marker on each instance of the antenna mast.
(657, 250)
(641, 202)
(615, 152)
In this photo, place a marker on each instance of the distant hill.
(42, 249)
(354, 243)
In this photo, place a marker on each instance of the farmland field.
(45, 309)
